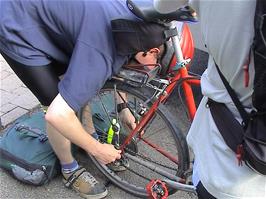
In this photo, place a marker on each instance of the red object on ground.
(157, 189)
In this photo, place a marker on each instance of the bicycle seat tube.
(181, 67)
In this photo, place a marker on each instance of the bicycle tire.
(179, 141)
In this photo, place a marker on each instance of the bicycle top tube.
(145, 10)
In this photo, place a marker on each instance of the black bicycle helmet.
(131, 37)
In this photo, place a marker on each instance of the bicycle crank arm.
(154, 168)
(180, 186)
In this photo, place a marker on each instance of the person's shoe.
(84, 183)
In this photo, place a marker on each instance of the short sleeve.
(87, 72)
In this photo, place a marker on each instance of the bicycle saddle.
(145, 10)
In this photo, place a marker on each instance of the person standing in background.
(227, 29)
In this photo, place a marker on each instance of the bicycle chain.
(149, 159)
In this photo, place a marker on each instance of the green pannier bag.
(25, 151)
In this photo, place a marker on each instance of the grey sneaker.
(85, 184)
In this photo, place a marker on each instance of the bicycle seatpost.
(173, 34)
(176, 43)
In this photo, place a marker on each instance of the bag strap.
(31, 132)
(229, 127)
(235, 99)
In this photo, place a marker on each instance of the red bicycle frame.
(180, 75)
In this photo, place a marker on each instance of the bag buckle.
(42, 138)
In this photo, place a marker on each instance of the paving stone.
(21, 91)
(5, 97)
(25, 100)
(4, 74)
(4, 66)
(6, 108)
(12, 115)
(11, 83)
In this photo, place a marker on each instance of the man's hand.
(106, 153)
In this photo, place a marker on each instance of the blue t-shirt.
(76, 33)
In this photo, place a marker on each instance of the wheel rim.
(136, 177)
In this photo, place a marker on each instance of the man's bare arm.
(64, 119)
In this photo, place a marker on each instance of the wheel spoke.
(153, 156)
(153, 168)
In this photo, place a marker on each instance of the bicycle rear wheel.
(161, 133)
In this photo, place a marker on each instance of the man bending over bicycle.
(42, 40)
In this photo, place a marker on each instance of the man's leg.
(43, 82)
(61, 145)
(45, 92)
(200, 189)
(87, 118)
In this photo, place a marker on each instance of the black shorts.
(41, 80)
